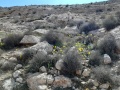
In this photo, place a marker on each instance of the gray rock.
(42, 46)
(104, 86)
(43, 69)
(7, 65)
(8, 84)
(17, 73)
(107, 59)
(59, 64)
(41, 31)
(18, 66)
(19, 79)
(29, 39)
(86, 72)
(61, 81)
(13, 59)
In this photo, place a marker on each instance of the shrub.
(117, 14)
(103, 75)
(26, 55)
(79, 24)
(71, 63)
(11, 41)
(107, 45)
(39, 60)
(87, 27)
(95, 58)
(54, 38)
(110, 23)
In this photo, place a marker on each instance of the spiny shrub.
(26, 55)
(40, 59)
(79, 24)
(117, 14)
(110, 23)
(71, 63)
(87, 27)
(107, 45)
(54, 38)
(11, 41)
(103, 75)
(95, 58)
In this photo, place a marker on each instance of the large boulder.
(29, 40)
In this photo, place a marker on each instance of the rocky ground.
(41, 48)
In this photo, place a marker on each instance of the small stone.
(78, 72)
(83, 83)
(43, 69)
(107, 59)
(19, 79)
(105, 86)
(42, 87)
(18, 66)
(17, 73)
(86, 72)
(59, 64)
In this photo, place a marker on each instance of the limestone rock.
(104, 86)
(61, 81)
(107, 59)
(37, 79)
(86, 72)
(59, 64)
(29, 40)
(8, 84)
(17, 73)
(42, 46)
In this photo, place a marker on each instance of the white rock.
(86, 72)
(17, 73)
(107, 59)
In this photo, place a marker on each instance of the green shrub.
(103, 75)
(87, 27)
(110, 23)
(107, 45)
(11, 41)
(95, 58)
(71, 63)
(54, 38)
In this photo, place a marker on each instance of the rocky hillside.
(63, 47)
